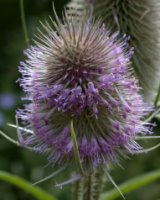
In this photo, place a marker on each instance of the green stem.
(23, 21)
(78, 190)
(132, 185)
(28, 187)
(93, 185)
(89, 187)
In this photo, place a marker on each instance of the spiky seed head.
(140, 20)
(77, 71)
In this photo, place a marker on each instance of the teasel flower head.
(77, 75)
(141, 21)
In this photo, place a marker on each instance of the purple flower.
(80, 72)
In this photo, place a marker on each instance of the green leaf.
(132, 185)
(28, 187)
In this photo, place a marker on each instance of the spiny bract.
(77, 71)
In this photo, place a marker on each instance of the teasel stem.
(78, 190)
(89, 188)
(23, 22)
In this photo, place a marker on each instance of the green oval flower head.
(140, 19)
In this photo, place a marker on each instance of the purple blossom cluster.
(79, 72)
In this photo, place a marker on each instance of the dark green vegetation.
(24, 163)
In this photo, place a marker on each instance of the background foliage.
(26, 164)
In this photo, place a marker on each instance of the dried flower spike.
(79, 72)
(140, 20)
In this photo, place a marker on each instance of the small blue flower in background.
(7, 100)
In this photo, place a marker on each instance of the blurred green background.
(26, 164)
